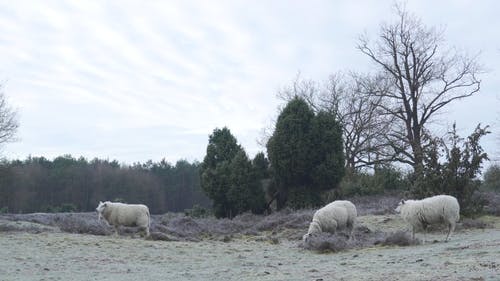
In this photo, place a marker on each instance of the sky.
(148, 80)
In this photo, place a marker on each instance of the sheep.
(432, 210)
(332, 217)
(119, 214)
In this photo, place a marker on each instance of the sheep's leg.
(451, 228)
(146, 231)
(116, 231)
(425, 234)
(351, 231)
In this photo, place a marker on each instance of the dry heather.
(377, 225)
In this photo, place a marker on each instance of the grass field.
(78, 247)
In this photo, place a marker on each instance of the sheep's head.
(400, 205)
(101, 207)
(306, 236)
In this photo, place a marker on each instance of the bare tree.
(424, 78)
(8, 121)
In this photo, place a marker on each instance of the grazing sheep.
(332, 217)
(433, 210)
(117, 214)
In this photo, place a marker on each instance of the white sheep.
(438, 209)
(337, 215)
(119, 214)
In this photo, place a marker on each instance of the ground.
(473, 253)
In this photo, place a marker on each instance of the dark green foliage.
(245, 192)
(261, 166)
(197, 212)
(67, 184)
(222, 147)
(384, 178)
(289, 148)
(492, 178)
(228, 177)
(68, 208)
(458, 175)
(327, 153)
(302, 197)
(306, 155)
(215, 169)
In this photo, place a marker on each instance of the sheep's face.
(400, 205)
(101, 207)
(306, 236)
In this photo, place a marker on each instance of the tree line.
(70, 184)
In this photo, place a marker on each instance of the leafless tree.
(8, 121)
(424, 78)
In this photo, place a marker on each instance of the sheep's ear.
(402, 201)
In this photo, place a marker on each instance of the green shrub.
(67, 208)
(4, 210)
(197, 212)
(384, 178)
(50, 209)
(492, 178)
(453, 167)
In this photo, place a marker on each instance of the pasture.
(75, 246)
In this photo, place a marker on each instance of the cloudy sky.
(140, 80)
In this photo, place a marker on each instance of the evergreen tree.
(289, 149)
(328, 155)
(306, 154)
(215, 169)
(261, 166)
(245, 192)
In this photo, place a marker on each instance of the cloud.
(146, 80)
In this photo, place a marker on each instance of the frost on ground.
(78, 247)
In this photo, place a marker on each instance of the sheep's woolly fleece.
(337, 215)
(119, 214)
(440, 209)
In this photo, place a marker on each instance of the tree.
(424, 78)
(245, 191)
(327, 153)
(306, 154)
(289, 149)
(492, 178)
(216, 170)
(352, 99)
(8, 121)
(261, 166)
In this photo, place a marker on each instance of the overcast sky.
(141, 80)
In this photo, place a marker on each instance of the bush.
(4, 210)
(50, 209)
(197, 212)
(68, 208)
(492, 178)
(384, 178)
(458, 174)
(64, 208)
